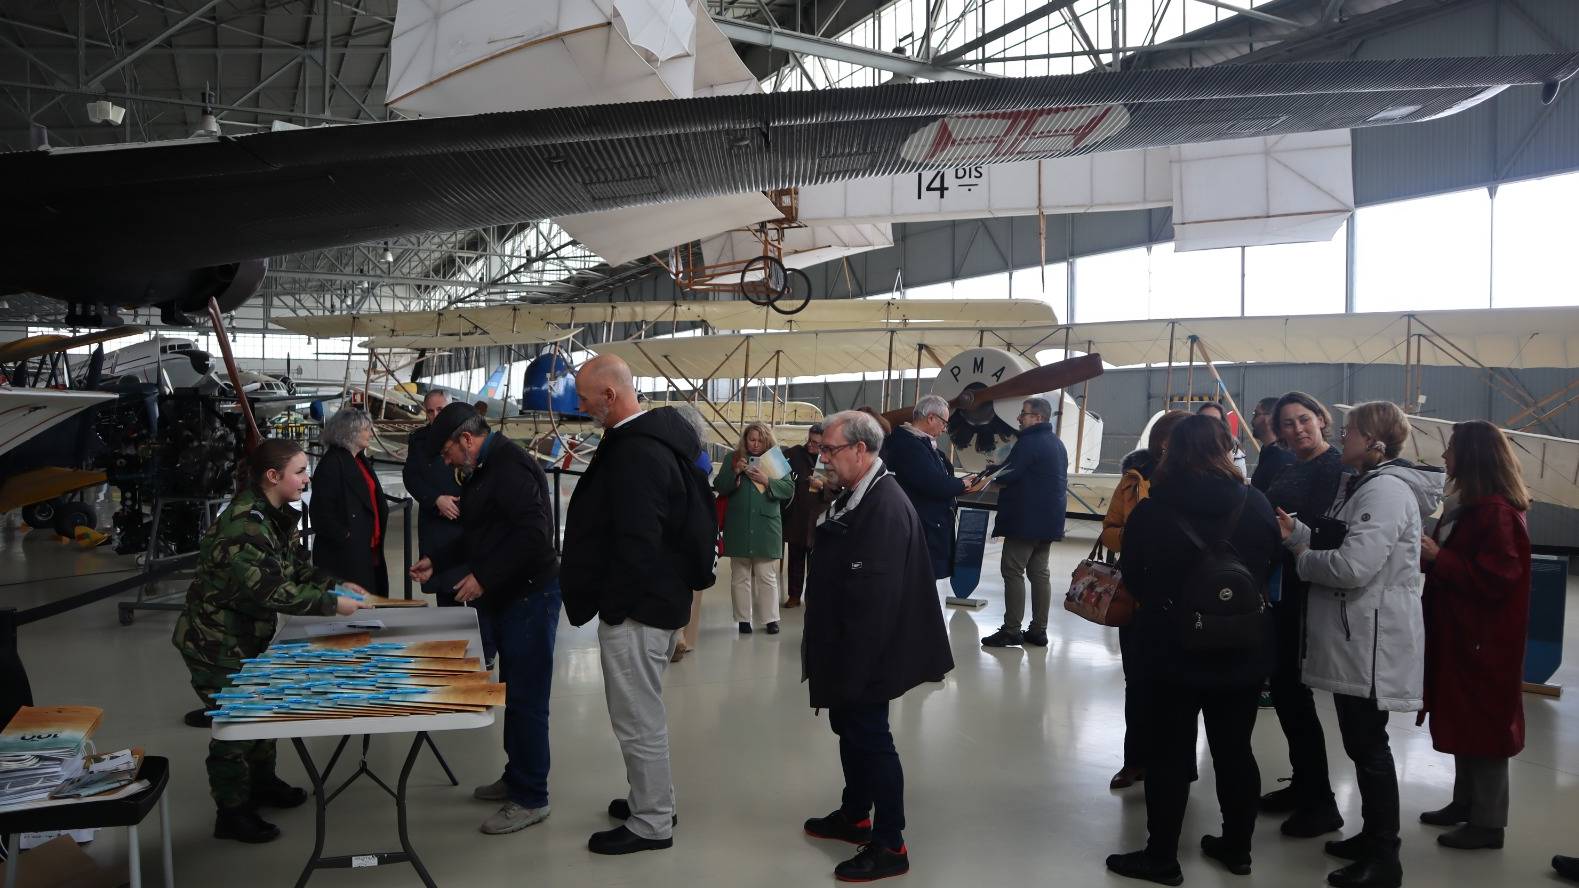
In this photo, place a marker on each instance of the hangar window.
(1296, 278)
(1428, 253)
(1533, 261)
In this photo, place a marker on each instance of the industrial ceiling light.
(106, 112)
(389, 257)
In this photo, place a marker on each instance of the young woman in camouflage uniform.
(251, 567)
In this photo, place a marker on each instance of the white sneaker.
(493, 792)
(513, 818)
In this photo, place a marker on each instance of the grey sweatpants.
(634, 658)
(1023, 557)
(1480, 787)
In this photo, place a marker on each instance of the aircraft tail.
(494, 387)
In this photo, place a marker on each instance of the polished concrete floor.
(1007, 762)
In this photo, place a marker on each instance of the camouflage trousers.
(234, 766)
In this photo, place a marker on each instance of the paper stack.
(350, 676)
(41, 748)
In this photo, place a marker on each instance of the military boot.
(272, 792)
(243, 824)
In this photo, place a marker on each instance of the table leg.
(319, 805)
(13, 857)
(400, 810)
(164, 831)
(442, 763)
(134, 856)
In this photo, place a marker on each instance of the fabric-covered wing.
(206, 202)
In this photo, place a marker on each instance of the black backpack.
(1219, 607)
(696, 533)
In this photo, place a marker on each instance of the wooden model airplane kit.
(351, 676)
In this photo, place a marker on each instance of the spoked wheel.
(763, 280)
(796, 296)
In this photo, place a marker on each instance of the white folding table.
(400, 624)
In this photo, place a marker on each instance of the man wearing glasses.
(874, 630)
(1032, 499)
(800, 517)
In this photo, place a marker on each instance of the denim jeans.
(524, 631)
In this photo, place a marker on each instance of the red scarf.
(372, 498)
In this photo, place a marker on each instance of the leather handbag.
(1097, 593)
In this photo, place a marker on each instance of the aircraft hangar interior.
(443, 442)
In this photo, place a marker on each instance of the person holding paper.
(756, 484)
(250, 567)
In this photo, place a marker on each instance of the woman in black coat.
(349, 514)
(1196, 484)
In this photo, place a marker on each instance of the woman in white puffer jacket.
(1365, 635)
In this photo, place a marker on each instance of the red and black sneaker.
(873, 862)
(838, 826)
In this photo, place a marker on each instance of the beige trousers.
(755, 582)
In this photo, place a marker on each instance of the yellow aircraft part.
(46, 483)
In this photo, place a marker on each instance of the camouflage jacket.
(250, 566)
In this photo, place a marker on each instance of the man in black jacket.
(625, 563)
(874, 630)
(432, 482)
(506, 567)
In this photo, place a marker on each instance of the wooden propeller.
(1034, 381)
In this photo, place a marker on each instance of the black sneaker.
(1567, 867)
(1386, 873)
(243, 824)
(839, 827)
(1237, 862)
(1140, 865)
(196, 718)
(1037, 637)
(1003, 638)
(1309, 823)
(745, 628)
(1281, 801)
(773, 628)
(620, 809)
(873, 862)
(272, 792)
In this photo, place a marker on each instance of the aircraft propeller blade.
(1034, 381)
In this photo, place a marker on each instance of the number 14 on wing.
(940, 181)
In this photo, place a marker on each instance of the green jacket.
(753, 522)
(250, 567)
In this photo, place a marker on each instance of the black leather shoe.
(1452, 815)
(620, 840)
(1140, 865)
(1037, 637)
(1237, 862)
(773, 628)
(1355, 847)
(196, 719)
(873, 862)
(1387, 873)
(272, 792)
(620, 809)
(745, 628)
(1280, 801)
(243, 824)
(841, 828)
(1471, 838)
(1567, 867)
(1308, 824)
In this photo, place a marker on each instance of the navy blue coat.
(1033, 487)
(926, 477)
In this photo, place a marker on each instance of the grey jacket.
(1365, 635)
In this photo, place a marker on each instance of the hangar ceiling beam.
(151, 42)
(822, 47)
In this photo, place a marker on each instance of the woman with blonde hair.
(754, 528)
(1364, 630)
(1477, 614)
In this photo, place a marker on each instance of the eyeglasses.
(1028, 413)
(831, 449)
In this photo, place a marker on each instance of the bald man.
(625, 563)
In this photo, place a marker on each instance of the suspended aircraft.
(183, 223)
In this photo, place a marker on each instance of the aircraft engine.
(983, 434)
